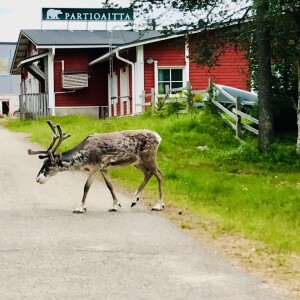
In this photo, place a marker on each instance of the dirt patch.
(281, 270)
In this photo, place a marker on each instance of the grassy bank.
(208, 172)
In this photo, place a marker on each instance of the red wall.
(166, 53)
(78, 60)
(232, 67)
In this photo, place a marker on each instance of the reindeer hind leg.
(160, 204)
(147, 177)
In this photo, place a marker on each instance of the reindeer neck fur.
(74, 158)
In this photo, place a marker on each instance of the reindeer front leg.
(90, 180)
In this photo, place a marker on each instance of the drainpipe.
(187, 59)
(132, 79)
(51, 81)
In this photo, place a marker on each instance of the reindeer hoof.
(79, 210)
(113, 210)
(158, 207)
(135, 202)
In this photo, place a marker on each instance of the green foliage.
(166, 109)
(174, 108)
(198, 98)
(208, 171)
(160, 104)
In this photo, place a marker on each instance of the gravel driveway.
(46, 252)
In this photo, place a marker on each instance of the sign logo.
(87, 14)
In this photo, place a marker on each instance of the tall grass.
(207, 171)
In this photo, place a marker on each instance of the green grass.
(234, 184)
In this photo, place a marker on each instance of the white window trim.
(183, 68)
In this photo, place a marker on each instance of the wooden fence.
(237, 118)
(176, 95)
(33, 106)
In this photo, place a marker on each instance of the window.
(75, 79)
(171, 77)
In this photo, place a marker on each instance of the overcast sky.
(27, 14)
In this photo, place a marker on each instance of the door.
(124, 91)
(112, 94)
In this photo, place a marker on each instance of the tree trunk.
(264, 76)
(298, 105)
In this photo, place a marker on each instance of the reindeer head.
(52, 162)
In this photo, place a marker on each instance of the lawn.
(206, 172)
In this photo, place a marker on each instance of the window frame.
(170, 68)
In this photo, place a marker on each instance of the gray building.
(9, 84)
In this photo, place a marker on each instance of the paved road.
(46, 252)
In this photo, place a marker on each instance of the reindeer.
(97, 153)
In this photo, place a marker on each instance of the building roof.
(114, 41)
(51, 39)
(85, 37)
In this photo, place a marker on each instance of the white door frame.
(112, 92)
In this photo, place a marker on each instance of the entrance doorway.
(5, 107)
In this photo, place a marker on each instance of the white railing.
(33, 106)
(181, 96)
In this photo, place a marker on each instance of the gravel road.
(46, 252)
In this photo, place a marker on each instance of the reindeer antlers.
(60, 136)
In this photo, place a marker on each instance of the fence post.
(189, 97)
(167, 90)
(21, 105)
(210, 89)
(153, 99)
(238, 107)
(143, 101)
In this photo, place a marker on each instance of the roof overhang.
(20, 54)
(32, 59)
(32, 68)
(131, 45)
(73, 46)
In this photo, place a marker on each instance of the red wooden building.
(78, 72)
